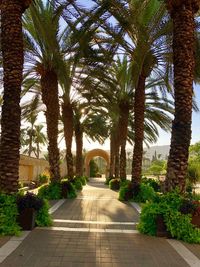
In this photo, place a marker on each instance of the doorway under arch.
(96, 153)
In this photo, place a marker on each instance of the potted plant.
(28, 205)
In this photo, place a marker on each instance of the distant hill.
(162, 152)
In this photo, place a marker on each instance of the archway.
(96, 153)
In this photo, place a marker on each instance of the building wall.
(30, 168)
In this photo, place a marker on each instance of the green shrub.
(138, 193)
(155, 184)
(147, 224)
(181, 228)
(196, 196)
(77, 183)
(50, 191)
(8, 215)
(193, 171)
(43, 217)
(42, 179)
(126, 191)
(67, 189)
(178, 224)
(82, 179)
(114, 184)
(145, 193)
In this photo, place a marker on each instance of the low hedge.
(114, 184)
(178, 224)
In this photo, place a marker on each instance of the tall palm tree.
(182, 14)
(44, 58)
(39, 139)
(13, 58)
(141, 32)
(32, 138)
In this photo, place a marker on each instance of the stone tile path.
(96, 230)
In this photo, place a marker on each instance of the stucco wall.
(30, 168)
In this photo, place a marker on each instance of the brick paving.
(3, 240)
(96, 208)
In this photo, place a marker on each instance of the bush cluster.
(8, 215)
(12, 205)
(174, 208)
(138, 192)
(66, 188)
(114, 184)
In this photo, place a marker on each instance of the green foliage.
(147, 224)
(195, 151)
(157, 167)
(155, 184)
(50, 191)
(42, 179)
(178, 224)
(43, 217)
(193, 171)
(68, 189)
(63, 189)
(146, 193)
(8, 215)
(77, 183)
(196, 196)
(94, 170)
(114, 184)
(141, 193)
(125, 192)
(181, 228)
(82, 179)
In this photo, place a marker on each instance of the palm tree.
(141, 31)
(13, 58)
(30, 133)
(44, 62)
(39, 139)
(32, 138)
(182, 14)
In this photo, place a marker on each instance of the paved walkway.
(98, 230)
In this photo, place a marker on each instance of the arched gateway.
(96, 153)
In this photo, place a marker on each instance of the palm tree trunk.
(38, 150)
(123, 161)
(67, 113)
(117, 161)
(79, 149)
(139, 109)
(123, 130)
(49, 87)
(13, 58)
(184, 63)
(112, 156)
